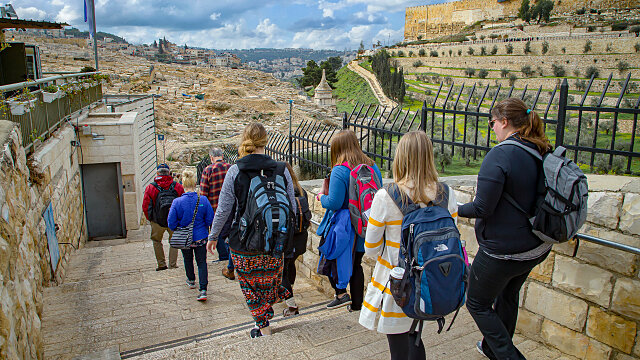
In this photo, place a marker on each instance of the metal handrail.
(589, 238)
(24, 84)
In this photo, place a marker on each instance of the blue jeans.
(223, 251)
(201, 260)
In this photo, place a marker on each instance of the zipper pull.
(411, 229)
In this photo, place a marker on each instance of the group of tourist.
(508, 250)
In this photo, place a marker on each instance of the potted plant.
(50, 93)
(22, 103)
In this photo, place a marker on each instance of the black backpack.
(267, 223)
(162, 204)
(303, 214)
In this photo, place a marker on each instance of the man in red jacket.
(163, 181)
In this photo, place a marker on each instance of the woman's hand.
(211, 245)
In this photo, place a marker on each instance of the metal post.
(423, 117)
(562, 112)
(344, 120)
(290, 140)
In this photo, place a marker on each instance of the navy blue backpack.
(436, 275)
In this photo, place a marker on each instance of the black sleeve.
(491, 180)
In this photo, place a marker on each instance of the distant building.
(323, 95)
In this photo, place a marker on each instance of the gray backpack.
(561, 207)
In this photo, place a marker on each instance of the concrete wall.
(52, 176)
(586, 306)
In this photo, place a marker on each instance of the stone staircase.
(113, 304)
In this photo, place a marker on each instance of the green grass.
(351, 89)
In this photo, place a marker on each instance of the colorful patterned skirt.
(260, 278)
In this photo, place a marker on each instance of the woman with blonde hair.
(345, 155)
(509, 178)
(415, 174)
(259, 273)
(181, 214)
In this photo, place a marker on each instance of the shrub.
(581, 85)
(470, 51)
(483, 50)
(526, 70)
(609, 47)
(591, 28)
(509, 48)
(636, 47)
(450, 52)
(400, 53)
(576, 72)
(482, 73)
(581, 11)
(539, 70)
(558, 70)
(504, 73)
(545, 47)
(512, 79)
(619, 26)
(393, 53)
(592, 71)
(622, 66)
(587, 47)
(469, 72)
(433, 53)
(493, 36)
(417, 63)
(410, 53)
(494, 50)
(564, 50)
(527, 47)
(421, 52)
(474, 38)
(635, 30)
(460, 52)
(482, 37)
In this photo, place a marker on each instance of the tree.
(542, 10)
(335, 62)
(155, 44)
(311, 74)
(361, 48)
(524, 12)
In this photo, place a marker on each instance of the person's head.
(189, 180)
(296, 183)
(345, 147)
(215, 154)
(414, 163)
(254, 139)
(163, 169)
(512, 115)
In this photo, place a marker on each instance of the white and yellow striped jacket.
(383, 243)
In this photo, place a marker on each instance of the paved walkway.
(373, 84)
(114, 302)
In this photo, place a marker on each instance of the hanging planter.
(21, 107)
(50, 97)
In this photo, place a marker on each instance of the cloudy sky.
(236, 24)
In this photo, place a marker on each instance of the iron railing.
(42, 114)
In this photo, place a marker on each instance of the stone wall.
(587, 306)
(52, 177)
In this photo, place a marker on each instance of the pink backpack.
(363, 185)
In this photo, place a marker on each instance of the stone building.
(429, 21)
(323, 95)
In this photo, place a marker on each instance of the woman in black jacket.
(508, 250)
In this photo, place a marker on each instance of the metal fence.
(38, 113)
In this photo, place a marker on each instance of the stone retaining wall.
(52, 176)
(587, 306)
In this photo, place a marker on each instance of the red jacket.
(151, 193)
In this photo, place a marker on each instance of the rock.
(565, 340)
(221, 127)
(543, 271)
(585, 281)
(208, 129)
(181, 127)
(529, 324)
(611, 329)
(626, 298)
(597, 351)
(604, 208)
(608, 182)
(630, 218)
(566, 310)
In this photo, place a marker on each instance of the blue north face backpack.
(267, 223)
(435, 273)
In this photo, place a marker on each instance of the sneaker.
(160, 268)
(479, 348)
(255, 332)
(339, 302)
(202, 296)
(228, 274)
(191, 284)
(290, 311)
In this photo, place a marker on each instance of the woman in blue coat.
(346, 149)
(181, 214)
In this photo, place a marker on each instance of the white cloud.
(389, 36)
(321, 39)
(31, 13)
(214, 16)
(69, 14)
(329, 8)
(360, 33)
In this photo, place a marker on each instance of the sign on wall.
(52, 239)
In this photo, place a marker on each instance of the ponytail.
(526, 121)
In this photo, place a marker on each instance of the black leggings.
(356, 284)
(403, 347)
(289, 274)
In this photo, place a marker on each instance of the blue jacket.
(338, 197)
(181, 213)
(338, 245)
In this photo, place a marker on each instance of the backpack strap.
(443, 202)
(172, 186)
(396, 194)
(531, 151)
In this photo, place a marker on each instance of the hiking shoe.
(191, 284)
(228, 274)
(479, 348)
(255, 332)
(202, 296)
(339, 302)
(290, 311)
(160, 268)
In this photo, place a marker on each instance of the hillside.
(351, 89)
(272, 54)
